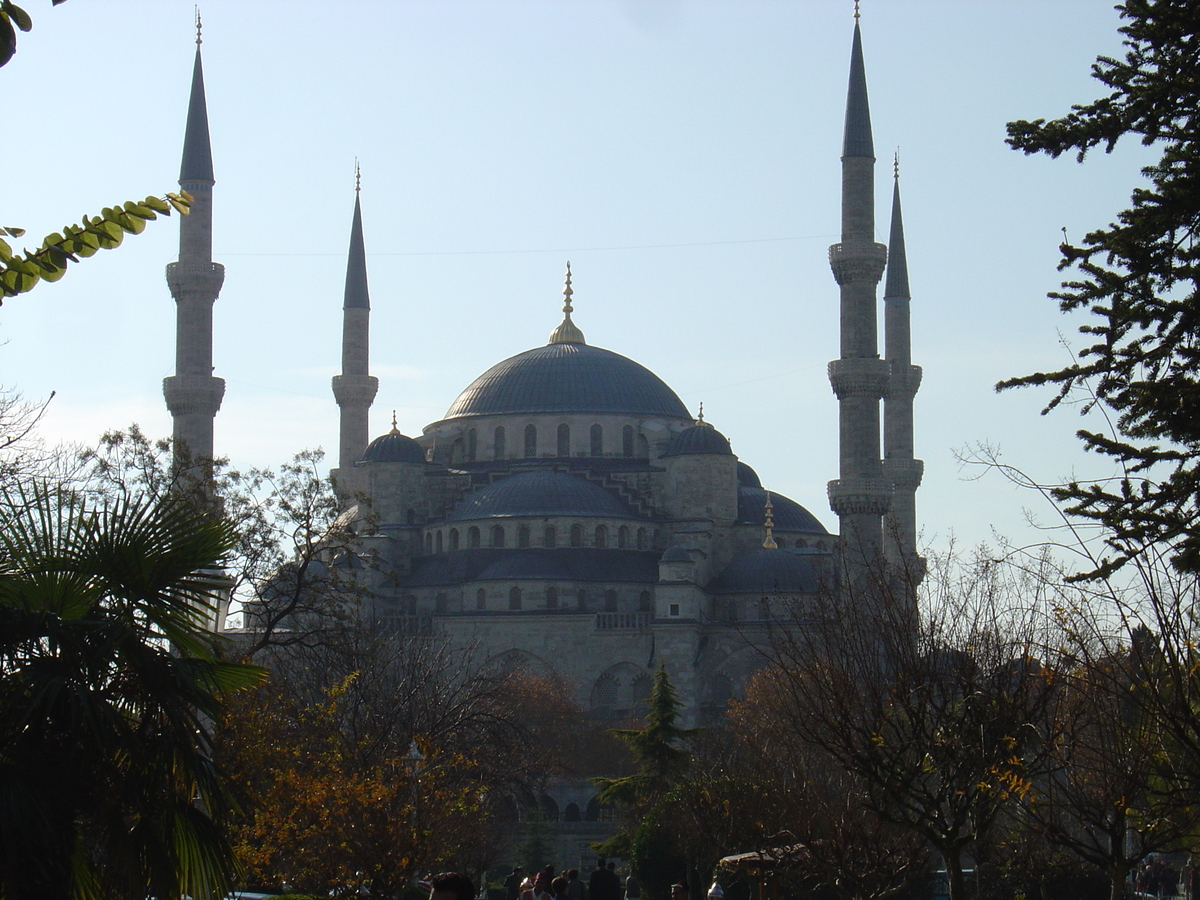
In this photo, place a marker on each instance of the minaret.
(899, 467)
(193, 394)
(355, 389)
(860, 495)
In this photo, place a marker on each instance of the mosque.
(568, 513)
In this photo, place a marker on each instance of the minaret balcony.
(186, 394)
(903, 383)
(858, 262)
(355, 390)
(859, 377)
(905, 474)
(203, 278)
(860, 496)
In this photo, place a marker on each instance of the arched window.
(514, 598)
(571, 812)
(473, 537)
(481, 599)
(627, 441)
(522, 535)
(498, 443)
(606, 693)
(429, 543)
(551, 598)
(550, 537)
(472, 445)
(441, 604)
(623, 537)
(411, 516)
(530, 441)
(577, 535)
(456, 451)
(601, 537)
(497, 535)
(453, 538)
(643, 447)
(610, 601)
(584, 602)
(438, 542)
(597, 441)
(549, 808)
(639, 692)
(801, 544)
(645, 602)
(641, 538)
(564, 440)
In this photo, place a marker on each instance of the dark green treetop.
(1138, 278)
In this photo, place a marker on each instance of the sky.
(684, 156)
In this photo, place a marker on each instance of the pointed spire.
(567, 331)
(395, 429)
(856, 138)
(357, 296)
(197, 151)
(896, 286)
(700, 416)
(768, 526)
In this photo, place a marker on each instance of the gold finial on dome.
(357, 177)
(567, 331)
(700, 417)
(768, 525)
(394, 430)
(199, 40)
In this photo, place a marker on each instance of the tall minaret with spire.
(193, 394)
(355, 388)
(861, 494)
(899, 467)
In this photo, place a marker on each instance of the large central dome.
(568, 378)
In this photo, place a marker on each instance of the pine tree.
(1138, 278)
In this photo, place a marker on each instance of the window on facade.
(584, 603)
(473, 537)
(601, 536)
(498, 443)
(497, 535)
(411, 516)
(456, 450)
(623, 537)
(409, 604)
(564, 439)
(550, 537)
(674, 609)
(481, 599)
(429, 542)
(627, 441)
(441, 604)
(641, 538)
(530, 441)
(801, 544)
(551, 598)
(643, 447)
(597, 441)
(571, 812)
(438, 542)
(472, 445)
(645, 602)
(576, 535)
(453, 538)
(610, 601)
(514, 598)
(522, 535)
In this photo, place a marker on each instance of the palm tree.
(108, 678)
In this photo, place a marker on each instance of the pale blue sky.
(682, 155)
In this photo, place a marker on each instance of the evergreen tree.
(1138, 278)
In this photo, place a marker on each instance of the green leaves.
(10, 15)
(20, 273)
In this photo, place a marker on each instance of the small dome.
(394, 447)
(540, 493)
(747, 477)
(568, 378)
(697, 440)
(677, 554)
(766, 572)
(788, 514)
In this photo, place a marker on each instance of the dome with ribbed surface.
(568, 378)
(540, 493)
(787, 513)
(698, 440)
(766, 572)
(747, 477)
(394, 447)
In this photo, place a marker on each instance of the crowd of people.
(603, 884)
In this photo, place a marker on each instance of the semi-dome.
(540, 493)
(788, 514)
(568, 378)
(747, 477)
(394, 447)
(765, 572)
(677, 554)
(698, 440)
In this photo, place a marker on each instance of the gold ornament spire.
(567, 331)
(357, 177)
(199, 41)
(700, 417)
(856, 13)
(768, 525)
(896, 165)
(394, 430)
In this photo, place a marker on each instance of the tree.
(1138, 278)
(108, 679)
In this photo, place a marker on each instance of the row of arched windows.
(600, 537)
(554, 599)
(631, 444)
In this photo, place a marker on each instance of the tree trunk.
(1118, 875)
(954, 875)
